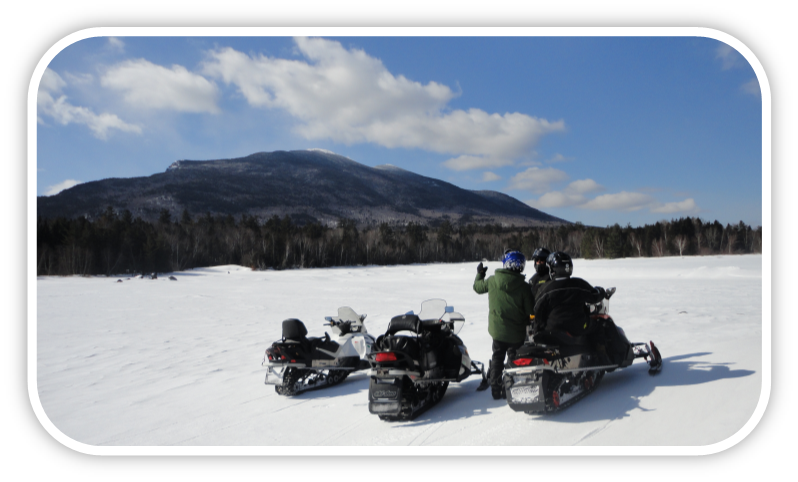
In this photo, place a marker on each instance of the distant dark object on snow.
(173, 278)
(119, 281)
(154, 276)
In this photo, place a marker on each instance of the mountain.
(309, 185)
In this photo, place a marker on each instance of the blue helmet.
(514, 260)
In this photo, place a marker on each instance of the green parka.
(510, 303)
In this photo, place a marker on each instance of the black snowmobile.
(410, 372)
(554, 369)
(297, 363)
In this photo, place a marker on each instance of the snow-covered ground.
(178, 363)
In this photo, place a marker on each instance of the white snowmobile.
(553, 370)
(410, 373)
(296, 363)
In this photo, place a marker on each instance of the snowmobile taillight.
(282, 357)
(384, 357)
(293, 361)
(522, 362)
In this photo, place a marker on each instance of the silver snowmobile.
(411, 371)
(296, 363)
(554, 370)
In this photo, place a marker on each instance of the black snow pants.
(497, 361)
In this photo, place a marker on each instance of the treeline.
(116, 243)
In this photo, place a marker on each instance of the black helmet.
(540, 254)
(560, 265)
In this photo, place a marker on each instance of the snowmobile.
(296, 363)
(410, 372)
(554, 370)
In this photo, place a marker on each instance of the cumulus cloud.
(572, 195)
(557, 199)
(584, 186)
(559, 158)
(536, 179)
(147, 85)
(488, 176)
(688, 205)
(464, 163)
(751, 87)
(348, 96)
(575, 195)
(56, 188)
(51, 103)
(116, 44)
(622, 201)
(729, 57)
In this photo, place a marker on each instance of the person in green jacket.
(510, 303)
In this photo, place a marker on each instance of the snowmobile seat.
(409, 323)
(549, 337)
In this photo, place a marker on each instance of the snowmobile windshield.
(432, 311)
(457, 321)
(346, 313)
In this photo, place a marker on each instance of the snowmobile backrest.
(404, 323)
(294, 329)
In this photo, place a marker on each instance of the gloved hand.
(601, 291)
(482, 269)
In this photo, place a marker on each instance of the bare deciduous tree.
(681, 243)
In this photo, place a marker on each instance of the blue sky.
(600, 130)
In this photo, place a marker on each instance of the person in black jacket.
(560, 304)
(541, 270)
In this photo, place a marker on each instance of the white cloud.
(751, 87)
(488, 176)
(584, 186)
(116, 44)
(688, 205)
(622, 201)
(144, 84)
(557, 199)
(559, 158)
(536, 179)
(729, 57)
(56, 188)
(464, 163)
(79, 79)
(51, 82)
(55, 106)
(348, 96)
(572, 195)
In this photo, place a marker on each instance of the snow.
(166, 365)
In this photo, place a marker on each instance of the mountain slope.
(308, 185)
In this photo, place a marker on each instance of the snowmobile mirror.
(363, 317)
(410, 313)
(449, 309)
(328, 318)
